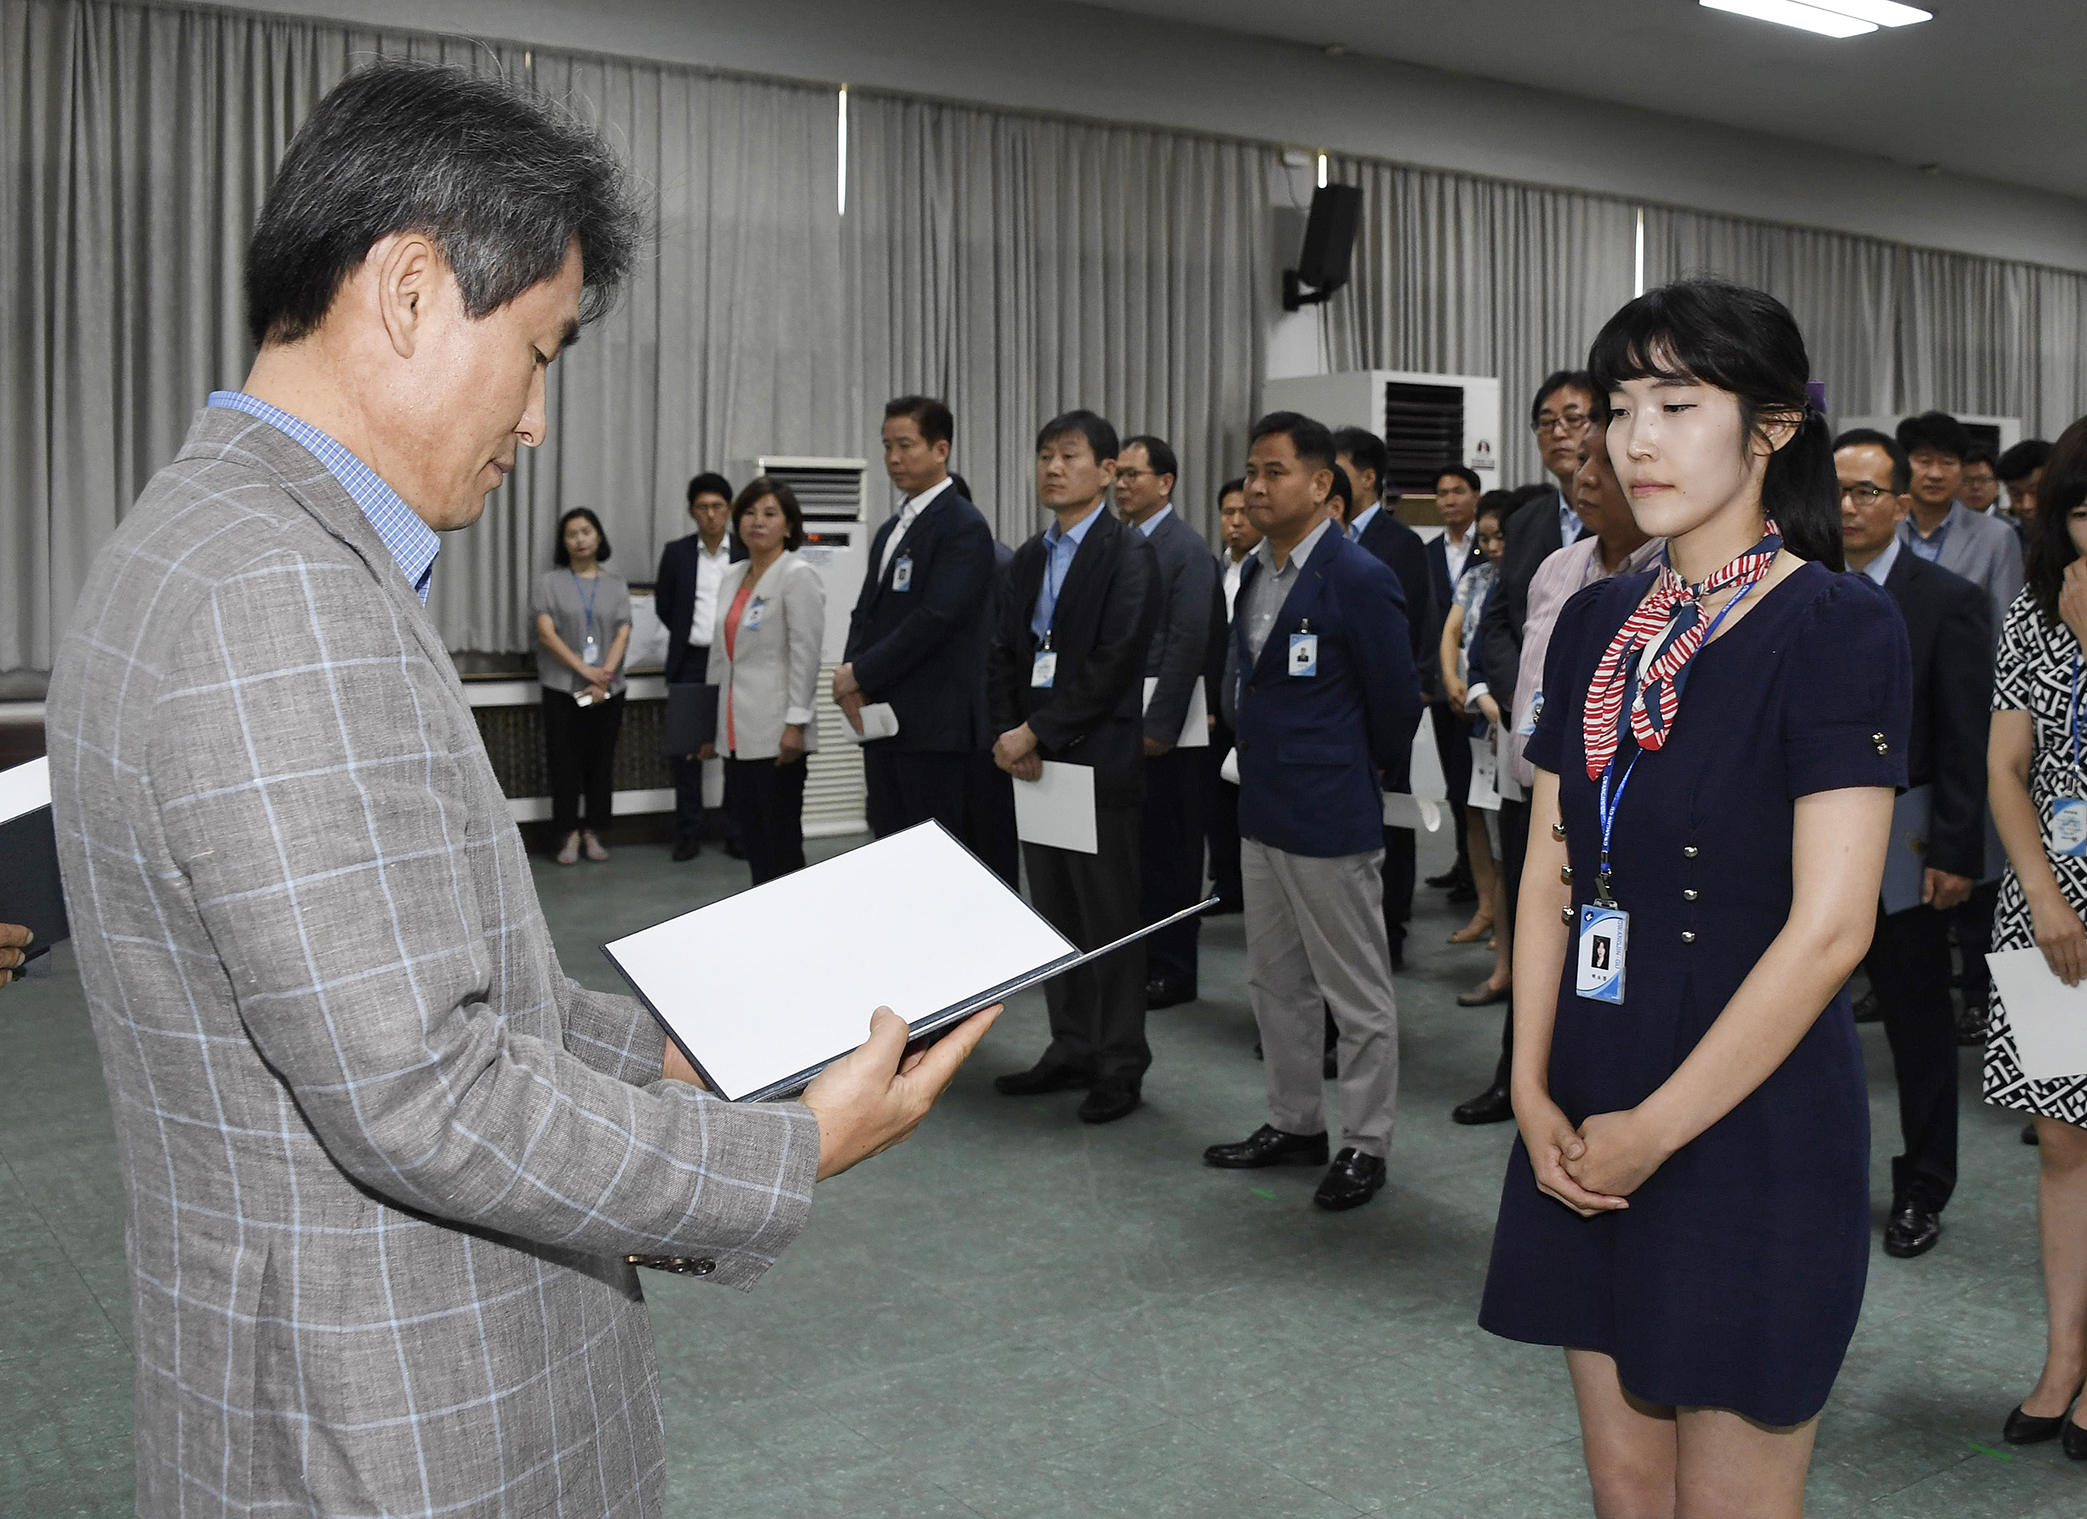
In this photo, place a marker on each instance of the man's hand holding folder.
(870, 1100)
(14, 952)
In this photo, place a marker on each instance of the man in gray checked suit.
(384, 1162)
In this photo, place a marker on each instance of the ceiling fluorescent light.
(1789, 13)
(1883, 12)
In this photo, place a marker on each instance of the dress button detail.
(1565, 914)
(1689, 851)
(1558, 832)
(1565, 875)
(1879, 740)
(1690, 894)
(1688, 936)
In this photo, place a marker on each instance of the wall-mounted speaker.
(1329, 247)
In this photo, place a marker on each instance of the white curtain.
(1459, 275)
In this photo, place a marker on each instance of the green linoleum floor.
(1017, 1316)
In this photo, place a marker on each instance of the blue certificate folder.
(764, 990)
(1906, 862)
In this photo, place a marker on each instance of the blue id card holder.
(1604, 942)
(752, 619)
(902, 573)
(1045, 670)
(2068, 830)
(1304, 653)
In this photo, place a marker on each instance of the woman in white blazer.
(765, 661)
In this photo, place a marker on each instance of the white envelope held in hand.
(1058, 809)
(878, 721)
(2047, 1018)
(1195, 728)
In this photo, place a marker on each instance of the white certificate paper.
(1195, 728)
(2047, 1018)
(1058, 810)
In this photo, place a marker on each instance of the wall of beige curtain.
(1021, 266)
(1457, 275)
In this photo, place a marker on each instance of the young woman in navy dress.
(1686, 1210)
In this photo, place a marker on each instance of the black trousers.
(1453, 745)
(1223, 823)
(580, 753)
(1398, 887)
(1098, 1011)
(1909, 967)
(766, 800)
(1514, 850)
(1974, 925)
(906, 788)
(989, 817)
(1177, 803)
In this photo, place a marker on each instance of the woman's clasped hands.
(1592, 1168)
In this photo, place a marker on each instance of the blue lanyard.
(2075, 716)
(587, 606)
(1610, 806)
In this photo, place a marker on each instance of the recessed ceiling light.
(1829, 18)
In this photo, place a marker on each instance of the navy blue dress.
(1734, 1278)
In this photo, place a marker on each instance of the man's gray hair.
(502, 181)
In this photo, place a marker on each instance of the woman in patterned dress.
(2035, 765)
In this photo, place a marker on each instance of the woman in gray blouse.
(771, 622)
(582, 629)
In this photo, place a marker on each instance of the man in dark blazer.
(1949, 624)
(1457, 490)
(1177, 777)
(1324, 697)
(1375, 528)
(1066, 683)
(989, 802)
(684, 595)
(917, 637)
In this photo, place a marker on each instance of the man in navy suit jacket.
(917, 638)
(684, 595)
(1949, 625)
(1324, 698)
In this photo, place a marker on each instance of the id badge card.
(752, 619)
(1045, 670)
(1304, 653)
(2068, 831)
(590, 650)
(902, 573)
(1604, 941)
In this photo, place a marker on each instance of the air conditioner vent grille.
(1423, 431)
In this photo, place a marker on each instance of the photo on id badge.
(1604, 943)
(1304, 653)
(2069, 826)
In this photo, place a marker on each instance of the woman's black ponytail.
(1709, 331)
(1803, 495)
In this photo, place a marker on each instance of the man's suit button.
(702, 1267)
(1689, 851)
(1690, 894)
(1688, 936)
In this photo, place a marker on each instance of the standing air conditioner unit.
(1425, 420)
(837, 545)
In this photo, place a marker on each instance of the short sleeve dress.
(1734, 1278)
(2033, 673)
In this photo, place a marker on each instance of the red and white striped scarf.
(1671, 620)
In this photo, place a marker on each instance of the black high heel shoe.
(2029, 1429)
(2075, 1443)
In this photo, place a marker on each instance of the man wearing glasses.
(1560, 416)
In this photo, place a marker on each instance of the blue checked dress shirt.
(1059, 549)
(412, 542)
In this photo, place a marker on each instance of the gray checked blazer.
(381, 1156)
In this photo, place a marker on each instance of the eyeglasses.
(1570, 425)
(1135, 474)
(1864, 494)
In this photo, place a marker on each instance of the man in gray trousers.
(387, 1168)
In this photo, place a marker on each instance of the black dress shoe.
(1351, 1181)
(1493, 1105)
(687, 849)
(1912, 1231)
(2028, 1129)
(1042, 1077)
(1268, 1146)
(1108, 1102)
(2028, 1429)
(1398, 955)
(1167, 994)
(2075, 1442)
(1971, 1025)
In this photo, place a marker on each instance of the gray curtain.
(1894, 329)
(1021, 266)
(1459, 275)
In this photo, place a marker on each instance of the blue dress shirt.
(1059, 548)
(1150, 522)
(413, 544)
